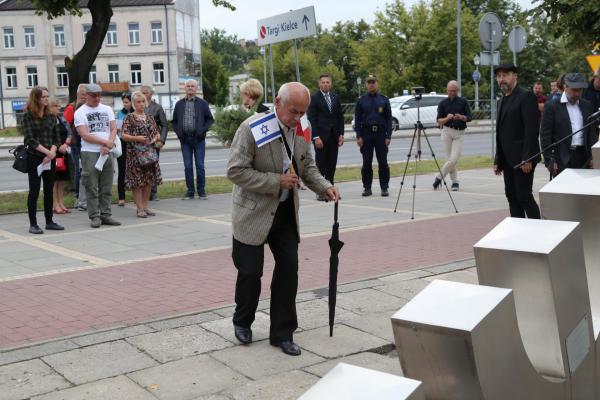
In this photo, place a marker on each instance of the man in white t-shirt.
(96, 125)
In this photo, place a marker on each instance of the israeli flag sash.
(265, 129)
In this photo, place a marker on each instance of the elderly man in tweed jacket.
(265, 210)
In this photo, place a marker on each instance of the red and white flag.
(303, 129)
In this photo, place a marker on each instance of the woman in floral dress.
(143, 136)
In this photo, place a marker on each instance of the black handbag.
(20, 153)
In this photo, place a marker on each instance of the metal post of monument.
(296, 60)
(490, 35)
(272, 73)
(517, 39)
(292, 25)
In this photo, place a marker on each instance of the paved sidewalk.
(151, 317)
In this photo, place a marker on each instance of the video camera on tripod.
(417, 91)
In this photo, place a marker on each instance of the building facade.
(151, 42)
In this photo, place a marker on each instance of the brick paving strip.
(42, 308)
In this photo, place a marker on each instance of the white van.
(404, 110)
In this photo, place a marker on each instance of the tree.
(79, 66)
(580, 19)
(227, 46)
(215, 82)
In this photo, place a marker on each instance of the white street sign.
(292, 25)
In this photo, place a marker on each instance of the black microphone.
(594, 115)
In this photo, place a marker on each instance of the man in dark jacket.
(327, 122)
(517, 131)
(562, 118)
(592, 93)
(191, 120)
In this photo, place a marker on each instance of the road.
(171, 163)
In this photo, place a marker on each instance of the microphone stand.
(551, 145)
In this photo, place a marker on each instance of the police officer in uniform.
(373, 126)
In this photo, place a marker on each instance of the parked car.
(405, 113)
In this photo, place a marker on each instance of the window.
(62, 78)
(93, 74)
(59, 36)
(156, 32)
(159, 73)
(136, 74)
(11, 77)
(29, 37)
(86, 28)
(9, 38)
(111, 35)
(32, 77)
(113, 73)
(134, 33)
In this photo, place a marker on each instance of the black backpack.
(20, 153)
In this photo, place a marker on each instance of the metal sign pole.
(264, 53)
(296, 61)
(272, 73)
(458, 48)
(492, 105)
(2, 100)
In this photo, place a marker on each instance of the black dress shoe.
(244, 335)
(437, 183)
(385, 193)
(288, 347)
(35, 229)
(455, 187)
(53, 226)
(367, 192)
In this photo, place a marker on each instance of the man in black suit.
(327, 121)
(561, 118)
(517, 128)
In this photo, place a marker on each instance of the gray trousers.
(97, 184)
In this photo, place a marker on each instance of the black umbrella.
(335, 245)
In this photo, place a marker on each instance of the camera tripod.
(420, 131)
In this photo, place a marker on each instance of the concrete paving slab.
(112, 335)
(286, 386)
(188, 378)
(183, 321)
(350, 287)
(224, 327)
(379, 325)
(345, 341)
(100, 361)
(31, 352)
(315, 314)
(404, 289)
(266, 359)
(466, 276)
(453, 266)
(389, 363)
(174, 344)
(405, 276)
(369, 301)
(118, 388)
(29, 378)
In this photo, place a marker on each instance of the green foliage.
(579, 19)
(57, 8)
(227, 121)
(233, 56)
(215, 82)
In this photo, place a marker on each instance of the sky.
(242, 22)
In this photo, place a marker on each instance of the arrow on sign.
(305, 21)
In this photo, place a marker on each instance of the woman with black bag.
(42, 138)
(142, 170)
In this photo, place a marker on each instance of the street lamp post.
(476, 61)
(358, 82)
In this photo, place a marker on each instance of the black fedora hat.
(508, 67)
